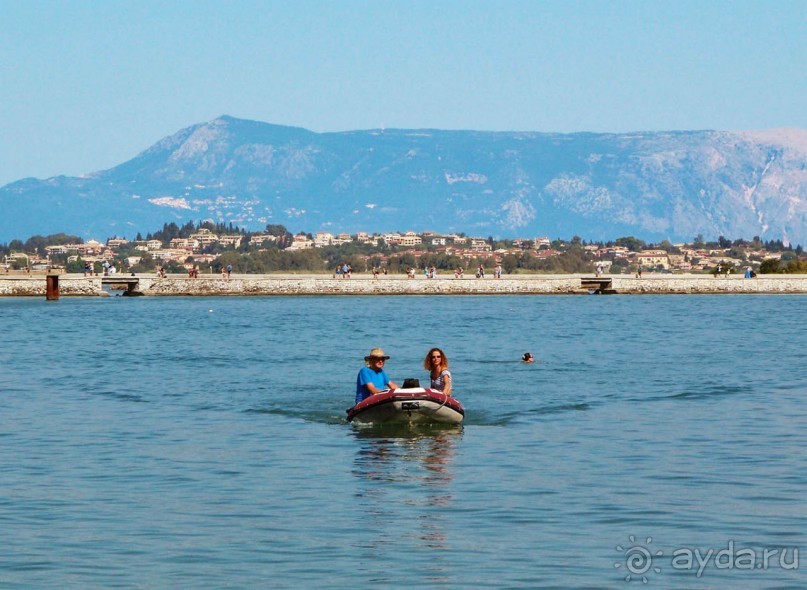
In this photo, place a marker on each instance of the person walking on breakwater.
(372, 378)
(436, 363)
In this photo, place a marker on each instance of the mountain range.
(652, 185)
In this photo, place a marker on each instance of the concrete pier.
(76, 285)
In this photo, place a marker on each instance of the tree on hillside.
(239, 261)
(146, 264)
(284, 237)
(186, 230)
(668, 247)
(309, 260)
(510, 263)
(631, 243)
(39, 243)
(796, 266)
(276, 230)
(400, 262)
(168, 233)
(769, 266)
(737, 252)
(575, 260)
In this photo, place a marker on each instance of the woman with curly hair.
(436, 363)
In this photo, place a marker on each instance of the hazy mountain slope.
(671, 185)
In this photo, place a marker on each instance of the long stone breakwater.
(70, 285)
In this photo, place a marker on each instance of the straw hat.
(376, 353)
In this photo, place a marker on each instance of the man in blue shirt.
(372, 379)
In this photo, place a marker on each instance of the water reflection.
(383, 453)
(420, 465)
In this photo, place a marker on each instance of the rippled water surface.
(201, 443)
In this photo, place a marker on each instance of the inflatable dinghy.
(414, 405)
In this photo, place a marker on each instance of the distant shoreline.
(77, 285)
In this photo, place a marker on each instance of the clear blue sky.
(88, 84)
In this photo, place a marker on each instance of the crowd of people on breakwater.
(430, 272)
(343, 271)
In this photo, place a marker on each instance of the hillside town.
(210, 248)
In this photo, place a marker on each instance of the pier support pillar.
(52, 291)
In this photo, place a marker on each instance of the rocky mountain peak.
(655, 185)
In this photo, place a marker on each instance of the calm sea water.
(201, 443)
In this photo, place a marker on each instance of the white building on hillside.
(259, 240)
(480, 245)
(322, 239)
(653, 259)
(301, 242)
(410, 238)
